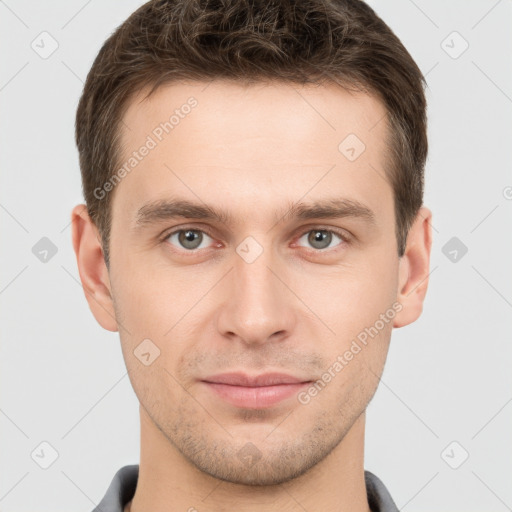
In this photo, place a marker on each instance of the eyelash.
(344, 237)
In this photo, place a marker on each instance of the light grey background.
(448, 376)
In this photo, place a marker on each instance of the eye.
(321, 239)
(190, 239)
(195, 239)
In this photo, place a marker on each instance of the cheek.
(148, 298)
(349, 298)
(154, 385)
(157, 305)
(154, 296)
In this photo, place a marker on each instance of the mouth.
(254, 392)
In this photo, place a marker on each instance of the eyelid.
(166, 234)
(343, 234)
(346, 239)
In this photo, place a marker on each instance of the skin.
(253, 151)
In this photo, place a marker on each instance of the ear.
(92, 268)
(414, 269)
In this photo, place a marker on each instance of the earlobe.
(92, 268)
(414, 269)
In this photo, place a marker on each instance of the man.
(254, 229)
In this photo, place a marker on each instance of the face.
(297, 274)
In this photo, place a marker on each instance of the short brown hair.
(295, 41)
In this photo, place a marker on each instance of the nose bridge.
(257, 307)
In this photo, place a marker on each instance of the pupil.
(189, 238)
(320, 236)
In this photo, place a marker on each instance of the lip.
(242, 379)
(255, 392)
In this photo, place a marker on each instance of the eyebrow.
(333, 208)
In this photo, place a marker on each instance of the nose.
(259, 307)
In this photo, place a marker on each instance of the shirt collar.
(122, 490)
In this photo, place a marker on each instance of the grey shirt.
(122, 490)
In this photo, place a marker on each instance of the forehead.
(246, 145)
(232, 110)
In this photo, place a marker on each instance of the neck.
(168, 482)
